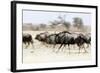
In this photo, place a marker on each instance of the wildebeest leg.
(24, 44)
(32, 44)
(74, 47)
(59, 47)
(63, 47)
(79, 47)
(85, 51)
(87, 45)
(69, 48)
(54, 45)
(27, 44)
(83, 47)
(45, 44)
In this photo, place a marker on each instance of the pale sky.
(37, 17)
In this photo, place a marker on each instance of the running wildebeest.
(65, 38)
(42, 37)
(80, 42)
(27, 39)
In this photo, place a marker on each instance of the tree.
(78, 22)
(54, 23)
(61, 19)
(64, 22)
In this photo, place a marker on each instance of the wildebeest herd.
(62, 38)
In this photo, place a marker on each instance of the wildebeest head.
(42, 36)
(37, 37)
(88, 38)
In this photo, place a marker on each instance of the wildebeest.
(80, 40)
(42, 36)
(27, 39)
(65, 38)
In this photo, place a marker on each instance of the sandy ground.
(43, 53)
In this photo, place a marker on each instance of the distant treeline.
(60, 27)
(59, 24)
